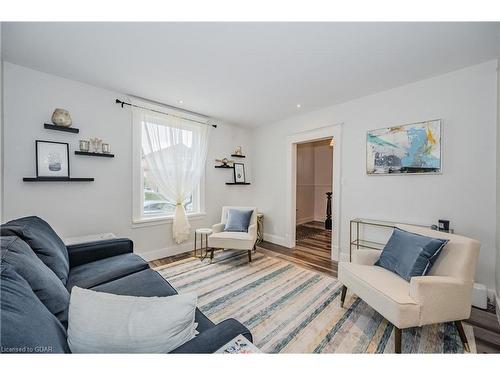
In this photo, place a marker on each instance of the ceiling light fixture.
(299, 105)
(181, 101)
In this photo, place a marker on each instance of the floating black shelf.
(95, 154)
(237, 183)
(61, 128)
(224, 166)
(55, 179)
(237, 156)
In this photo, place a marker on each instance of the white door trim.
(335, 132)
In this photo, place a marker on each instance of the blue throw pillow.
(43, 240)
(409, 254)
(238, 220)
(45, 284)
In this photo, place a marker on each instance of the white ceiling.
(249, 74)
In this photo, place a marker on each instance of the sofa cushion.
(408, 254)
(44, 283)
(383, 290)
(148, 283)
(42, 239)
(27, 325)
(91, 274)
(109, 323)
(231, 240)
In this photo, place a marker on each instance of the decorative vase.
(84, 145)
(96, 145)
(61, 117)
(238, 151)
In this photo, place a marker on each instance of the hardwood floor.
(486, 330)
(312, 251)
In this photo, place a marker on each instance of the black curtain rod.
(122, 103)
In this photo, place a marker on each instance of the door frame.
(317, 134)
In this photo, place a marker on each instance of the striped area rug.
(289, 309)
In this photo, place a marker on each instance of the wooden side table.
(260, 228)
(202, 232)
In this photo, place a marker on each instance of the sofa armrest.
(91, 251)
(441, 298)
(366, 257)
(214, 338)
(216, 228)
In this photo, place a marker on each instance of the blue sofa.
(38, 272)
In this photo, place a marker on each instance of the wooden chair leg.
(461, 333)
(249, 255)
(397, 340)
(342, 295)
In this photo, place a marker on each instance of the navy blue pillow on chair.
(238, 220)
(409, 254)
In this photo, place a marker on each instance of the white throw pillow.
(108, 323)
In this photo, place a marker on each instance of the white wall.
(305, 183)
(104, 205)
(464, 193)
(323, 168)
(314, 179)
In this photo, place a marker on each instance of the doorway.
(293, 141)
(314, 189)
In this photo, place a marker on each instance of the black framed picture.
(52, 159)
(239, 172)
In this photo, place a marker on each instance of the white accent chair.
(443, 295)
(234, 240)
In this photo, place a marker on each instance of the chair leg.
(212, 254)
(249, 255)
(342, 295)
(397, 340)
(461, 333)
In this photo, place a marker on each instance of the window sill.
(162, 220)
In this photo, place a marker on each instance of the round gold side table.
(202, 232)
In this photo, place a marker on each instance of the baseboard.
(305, 220)
(278, 240)
(480, 296)
(167, 251)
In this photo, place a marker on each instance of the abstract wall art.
(406, 149)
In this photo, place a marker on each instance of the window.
(149, 203)
(154, 203)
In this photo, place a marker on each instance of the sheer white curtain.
(175, 151)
